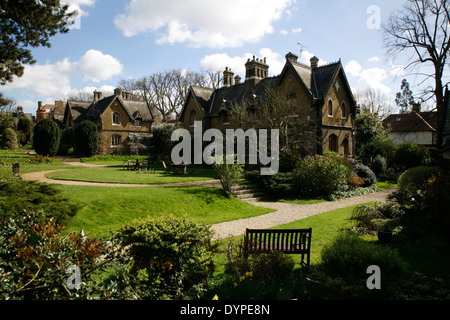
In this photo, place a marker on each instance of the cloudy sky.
(124, 39)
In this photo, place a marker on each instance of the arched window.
(193, 118)
(330, 108)
(333, 143)
(116, 118)
(344, 111)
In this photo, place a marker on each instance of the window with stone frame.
(333, 143)
(193, 118)
(116, 118)
(138, 122)
(330, 108)
(344, 110)
(116, 140)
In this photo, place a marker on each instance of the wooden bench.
(290, 241)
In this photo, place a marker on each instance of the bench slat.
(291, 241)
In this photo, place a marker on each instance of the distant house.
(19, 113)
(119, 118)
(416, 127)
(51, 111)
(321, 93)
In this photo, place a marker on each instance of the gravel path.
(288, 212)
(283, 212)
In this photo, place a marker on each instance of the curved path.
(283, 212)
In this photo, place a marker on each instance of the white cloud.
(202, 23)
(284, 32)
(374, 59)
(77, 4)
(54, 79)
(297, 30)
(306, 56)
(371, 77)
(96, 66)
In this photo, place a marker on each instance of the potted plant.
(384, 228)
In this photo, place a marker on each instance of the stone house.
(416, 126)
(321, 93)
(120, 119)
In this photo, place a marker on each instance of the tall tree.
(373, 100)
(24, 24)
(405, 98)
(422, 28)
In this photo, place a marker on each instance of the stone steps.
(248, 192)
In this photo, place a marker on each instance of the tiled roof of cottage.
(411, 122)
(86, 110)
(78, 109)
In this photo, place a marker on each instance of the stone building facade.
(321, 93)
(120, 119)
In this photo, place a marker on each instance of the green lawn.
(116, 174)
(106, 208)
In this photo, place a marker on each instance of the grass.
(383, 185)
(116, 174)
(105, 208)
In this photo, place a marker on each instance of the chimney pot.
(314, 62)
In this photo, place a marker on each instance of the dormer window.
(116, 119)
(138, 122)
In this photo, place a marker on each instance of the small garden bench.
(290, 241)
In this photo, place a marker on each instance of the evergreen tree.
(86, 139)
(46, 137)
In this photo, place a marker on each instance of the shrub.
(9, 139)
(319, 176)
(342, 273)
(366, 173)
(17, 196)
(46, 137)
(437, 199)
(280, 184)
(24, 130)
(67, 142)
(86, 139)
(161, 143)
(35, 259)
(228, 173)
(379, 166)
(171, 255)
(413, 182)
(366, 216)
(410, 155)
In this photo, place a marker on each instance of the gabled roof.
(317, 82)
(87, 110)
(411, 122)
(78, 109)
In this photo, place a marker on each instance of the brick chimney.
(256, 70)
(237, 80)
(314, 62)
(292, 57)
(228, 77)
(97, 95)
(416, 107)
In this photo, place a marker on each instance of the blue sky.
(123, 39)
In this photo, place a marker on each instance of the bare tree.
(276, 110)
(374, 101)
(165, 91)
(422, 28)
